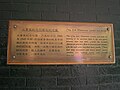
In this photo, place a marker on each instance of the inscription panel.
(34, 42)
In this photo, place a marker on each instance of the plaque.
(41, 42)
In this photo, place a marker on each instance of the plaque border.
(64, 63)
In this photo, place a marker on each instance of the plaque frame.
(13, 24)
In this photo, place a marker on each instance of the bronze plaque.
(39, 42)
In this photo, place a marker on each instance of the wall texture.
(59, 77)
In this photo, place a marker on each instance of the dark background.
(59, 77)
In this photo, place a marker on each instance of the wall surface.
(59, 77)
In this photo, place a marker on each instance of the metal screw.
(15, 26)
(107, 29)
(109, 56)
(14, 57)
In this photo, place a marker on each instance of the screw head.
(109, 56)
(14, 26)
(13, 57)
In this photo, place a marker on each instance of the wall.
(59, 77)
